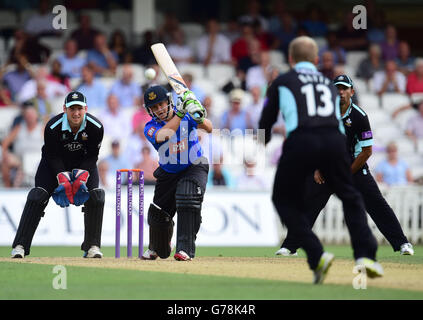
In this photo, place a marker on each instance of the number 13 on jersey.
(325, 107)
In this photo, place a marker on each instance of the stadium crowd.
(228, 65)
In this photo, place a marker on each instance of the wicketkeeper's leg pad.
(93, 219)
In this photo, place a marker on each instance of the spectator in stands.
(5, 97)
(170, 23)
(350, 38)
(118, 44)
(232, 30)
(143, 54)
(414, 129)
(410, 106)
(71, 62)
(236, 82)
(376, 25)
(371, 64)
(126, 90)
(148, 164)
(258, 76)
(405, 61)
(339, 54)
(14, 80)
(140, 117)
(53, 87)
(240, 48)
(327, 65)
(256, 106)
(92, 89)
(134, 145)
(254, 13)
(178, 49)
(315, 24)
(211, 114)
(116, 123)
(219, 175)
(26, 137)
(101, 59)
(286, 32)
(250, 179)
(278, 17)
(213, 47)
(415, 78)
(236, 117)
(111, 163)
(41, 23)
(41, 103)
(390, 80)
(392, 170)
(57, 74)
(390, 46)
(103, 169)
(85, 34)
(267, 39)
(29, 47)
(253, 57)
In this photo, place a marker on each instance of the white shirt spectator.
(221, 50)
(254, 110)
(180, 52)
(39, 23)
(96, 93)
(29, 90)
(72, 66)
(28, 141)
(415, 126)
(255, 77)
(117, 126)
(251, 182)
(380, 77)
(126, 93)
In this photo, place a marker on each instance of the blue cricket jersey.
(181, 150)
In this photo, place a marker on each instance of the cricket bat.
(169, 69)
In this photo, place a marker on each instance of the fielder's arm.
(361, 159)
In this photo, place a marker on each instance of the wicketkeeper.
(67, 172)
(182, 174)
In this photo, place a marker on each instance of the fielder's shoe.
(285, 252)
(149, 255)
(93, 252)
(373, 268)
(182, 256)
(322, 268)
(407, 249)
(18, 252)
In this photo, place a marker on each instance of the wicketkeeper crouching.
(67, 172)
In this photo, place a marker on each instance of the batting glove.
(196, 111)
(180, 108)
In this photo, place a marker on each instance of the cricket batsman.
(68, 173)
(182, 173)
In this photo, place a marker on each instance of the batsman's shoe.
(182, 256)
(322, 268)
(18, 252)
(149, 255)
(407, 249)
(93, 252)
(373, 268)
(286, 252)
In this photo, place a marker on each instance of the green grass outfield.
(34, 281)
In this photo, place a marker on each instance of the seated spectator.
(231, 31)
(258, 76)
(100, 58)
(169, 24)
(415, 78)
(93, 89)
(350, 38)
(250, 180)
(110, 164)
(371, 64)
(118, 44)
(57, 74)
(339, 54)
(236, 117)
(390, 80)
(41, 23)
(414, 129)
(255, 108)
(253, 57)
(219, 175)
(5, 97)
(240, 48)
(116, 124)
(410, 106)
(71, 62)
(14, 80)
(29, 47)
(143, 54)
(105, 181)
(278, 14)
(85, 34)
(314, 24)
(211, 114)
(213, 47)
(327, 65)
(26, 137)
(236, 82)
(376, 27)
(390, 46)
(392, 170)
(286, 32)
(267, 39)
(253, 13)
(134, 145)
(148, 164)
(53, 87)
(126, 90)
(178, 49)
(41, 103)
(140, 117)
(405, 61)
